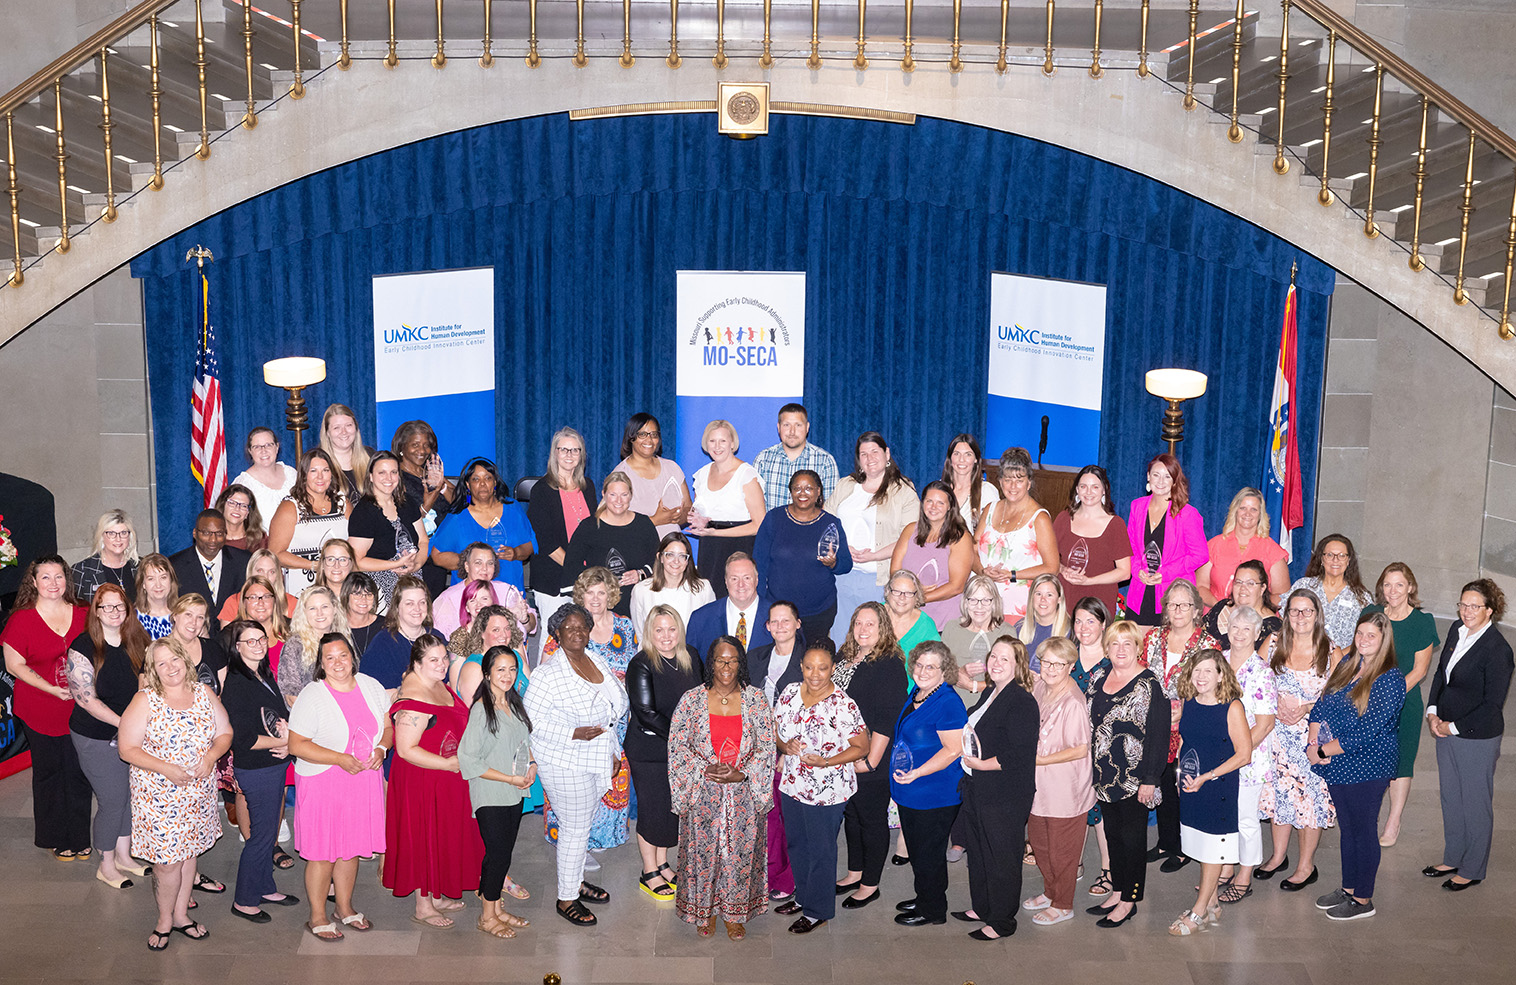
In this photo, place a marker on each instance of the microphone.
(1042, 442)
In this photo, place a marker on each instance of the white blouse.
(727, 504)
(267, 497)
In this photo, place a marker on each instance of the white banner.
(741, 355)
(1046, 364)
(434, 358)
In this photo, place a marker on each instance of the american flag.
(207, 429)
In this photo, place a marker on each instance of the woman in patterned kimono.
(172, 734)
(721, 751)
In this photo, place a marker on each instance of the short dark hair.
(814, 476)
(320, 672)
(710, 663)
(210, 513)
(794, 408)
(633, 425)
(795, 609)
(557, 619)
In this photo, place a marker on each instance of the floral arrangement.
(7, 546)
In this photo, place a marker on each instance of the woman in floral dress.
(1293, 795)
(614, 640)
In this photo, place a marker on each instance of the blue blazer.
(709, 622)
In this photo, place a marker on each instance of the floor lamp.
(293, 374)
(1175, 386)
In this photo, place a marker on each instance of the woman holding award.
(1065, 788)
(923, 782)
(801, 550)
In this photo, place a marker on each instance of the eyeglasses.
(1335, 556)
(1180, 606)
(1462, 606)
(674, 556)
(1301, 612)
(980, 601)
(901, 595)
(1246, 582)
(338, 559)
(923, 665)
(117, 535)
(235, 504)
(1056, 663)
(113, 607)
(263, 447)
(647, 434)
(258, 598)
(257, 642)
(571, 451)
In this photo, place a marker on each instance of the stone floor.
(58, 925)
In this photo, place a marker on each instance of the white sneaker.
(284, 830)
(591, 863)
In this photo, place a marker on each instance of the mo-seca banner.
(1047, 362)
(741, 355)
(434, 358)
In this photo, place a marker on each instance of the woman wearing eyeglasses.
(659, 489)
(972, 634)
(1465, 711)
(1332, 576)
(675, 583)
(903, 599)
(115, 559)
(1250, 590)
(269, 479)
(244, 524)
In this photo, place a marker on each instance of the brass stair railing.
(1462, 162)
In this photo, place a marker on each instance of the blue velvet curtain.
(897, 228)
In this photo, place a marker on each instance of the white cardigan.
(317, 716)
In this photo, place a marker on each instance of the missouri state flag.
(1281, 481)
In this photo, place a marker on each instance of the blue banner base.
(1073, 432)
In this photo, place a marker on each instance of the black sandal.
(664, 891)
(161, 936)
(206, 884)
(283, 859)
(668, 874)
(192, 925)
(576, 914)
(590, 893)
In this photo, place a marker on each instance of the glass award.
(727, 753)
(831, 539)
(449, 745)
(360, 744)
(495, 536)
(1078, 560)
(971, 749)
(521, 760)
(901, 761)
(1153, 556)
(616, 563)
(1189, 768)
(272, 723)
(1323, 733)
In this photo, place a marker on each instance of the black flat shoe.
(1108, 923)
(1458, 887)
(257, 916)
(1436, 870)
(1154, 854)
(287, 901)
(843, 888)
(789, 909)
(1174, 863)
(854, 903)
(964, 916)
(917, 919)
(1099, 911)
(1295, 887)
(206, 884)
(804, 925)
(900, 860)
(1262, 873)
(980, 935)
(906, 905)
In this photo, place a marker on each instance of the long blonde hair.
(150, 670)
(1060, 615)
(276, 584)
(278, 623)
(681, 651)
(309, 638)
(358, 456)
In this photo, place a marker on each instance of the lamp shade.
(305, 371)
(1175, 384)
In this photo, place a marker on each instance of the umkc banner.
(741, 356)
(434, 358)
(1047, 363)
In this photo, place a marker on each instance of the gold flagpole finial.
(1294, 266)
(199, 254)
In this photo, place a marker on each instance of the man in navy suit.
(742, 613)
(210, 567)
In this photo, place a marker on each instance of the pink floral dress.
(1293, 793)
(1013, 549)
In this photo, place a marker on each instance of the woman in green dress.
(1415, 635)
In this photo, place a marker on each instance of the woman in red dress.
(435, 850)
(35, 643)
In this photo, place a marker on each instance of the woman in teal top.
(499, 630)
(495, 757)
(1415, 635)
(903, 600)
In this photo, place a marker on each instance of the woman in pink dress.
(939, 549)
(339, 735)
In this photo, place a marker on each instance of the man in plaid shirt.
(778, 463)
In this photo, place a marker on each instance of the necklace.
(790, 512)
(920, 699)
(728, 696)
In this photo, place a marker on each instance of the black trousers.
(60, 793)
(1168, 812)
(866, 825)
(819, 626)
(1126, 832)
(498, 827)
(810, 831)
(995, 836)
(926, 838)
(656, 821)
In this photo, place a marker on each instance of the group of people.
(842, 653)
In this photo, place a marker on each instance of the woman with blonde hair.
(971, 636)
(115, 559)
(616, 538)
(1244, 537)
(728, 504)
(1065, 789)
(1047, 615)
(259, 601)
(341, 440)
(157, 590)
(657, 677)
(263, 563)
(558, 503)
(172, 734)
(317, 613)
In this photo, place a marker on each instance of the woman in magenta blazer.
(1168, 539)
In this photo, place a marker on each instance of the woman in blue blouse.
(925, 785)
(800, 549)
(1355, 746)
